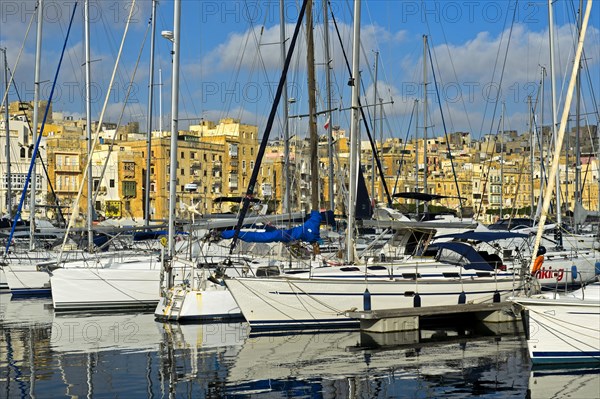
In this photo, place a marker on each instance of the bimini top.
(475, 259)
(484, 236)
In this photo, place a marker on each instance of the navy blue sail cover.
(308, 232)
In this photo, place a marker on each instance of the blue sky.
(230, 59)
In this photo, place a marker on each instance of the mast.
(88, 123)
(543, 170)
(149, 119)
(502, 164)
(558, 232)
(531, 153)
(564, 117)
(354, 134)
(174, 129)
(312, 109)
(578, 185)
(7, 131)
(425, 169)
(374, 129)
(286, 121)
(329, 106)
(160, 116)
(417, 202)
(36, 107)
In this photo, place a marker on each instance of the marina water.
(48, 355)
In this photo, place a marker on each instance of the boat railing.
(575, 274)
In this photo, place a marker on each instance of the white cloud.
(242, 49)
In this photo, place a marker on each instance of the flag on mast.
(326, 126)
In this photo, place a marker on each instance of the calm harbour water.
(44, 355)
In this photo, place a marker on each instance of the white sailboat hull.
(26, 279)
(565, 329)
(104, 289)
(287, 303)
(185, 304)
(557, 266)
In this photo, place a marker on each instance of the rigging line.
(268, 127)
(453, 71)
(405, 141)
(48, 180)
(496, 102)
(122, 74)
(74, 206)
(235, 74)
(257, 59)
(362, 112)
(434, 59)
(503, 63)
(33, 14)
(37, 144)
(445, 132)
(129, 86)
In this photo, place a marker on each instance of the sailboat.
(563, 328)
(320, 301)
(202, 296)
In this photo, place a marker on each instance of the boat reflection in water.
(575, 382)
(434, 362)
(44, 355)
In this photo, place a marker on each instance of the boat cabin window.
(493, 259)
(376, 267)
(267, 271)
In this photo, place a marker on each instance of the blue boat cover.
(308, 232)
(476, 260)
(484, 236)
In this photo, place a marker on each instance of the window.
(111, 183)
(182, 155)
(129, 189)
(182, 172)
(23, 156)
(129, 167)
